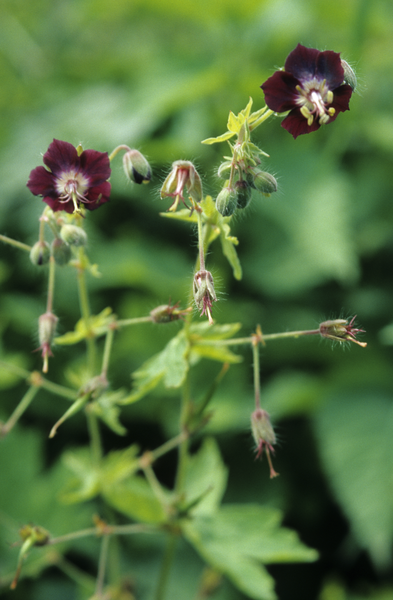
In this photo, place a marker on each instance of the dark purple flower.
(311, 86)
(72, 178)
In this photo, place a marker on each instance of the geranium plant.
(234, 540)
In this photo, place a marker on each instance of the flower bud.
(204, 294)
(244, 193)
(40, 253)
(73, 235)
(349, 75)
(61, 251)
(136, 167)
(262, 181)
(264, 436)
(340, 330)
(183, 175)
(226, 202)
(165, 313)
(46, 332)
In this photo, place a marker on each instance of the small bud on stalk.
(244, 193)
(73, 235)
(165, 313)
(182, 176)
(262, 181)
(61, 251)
(136, 167)
(46, 332)
(340, 330)
(264, 436)
(204, 294)
(226, 202)
(40, 253)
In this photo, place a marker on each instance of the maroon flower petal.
(41, 182)
(329, 67)
(56, 205)
(302, 62)
(98, 195)
(341, 99)
(95, 165)
(280, 91)
(296, 124)
(60, 157)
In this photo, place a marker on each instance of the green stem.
(257, 380)
(95, 437)
(168, 446)
(107, 351)
(102, 566)
(166, 567)
(200, 242)
(183, 447)
(85, 311)
(135, 321)
(109, 530)
(116, 150)
(11, 242)
(249, 340)
(51, 284)
(20, 409)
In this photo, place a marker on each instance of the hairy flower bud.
(46, 332)
(244, 193)
(40, 253)
(204, 294)
(165, 313)
(136, 167)
(340, 330)
(264, 436)
(349, 74)
(61, 251)
(262, 181)
(226, 202)
(183, 175)
(73, 235)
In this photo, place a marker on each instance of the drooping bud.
(40, 253)
(204, 294)
(136, 167)
(61, 251)
(182, 176)
(226, 202)
(264, 436)
(244, 193)
(262, 181)
(73, 235)
(340, 330)
(31, 536)
(349, 74)
(165, 313)
(46, 332)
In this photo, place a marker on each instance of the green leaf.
(219, 353)
(354, 432)
(206, 478)
(239, 539)
(228, 244)
(107, 409)
(96, 326)
(181, 215)
(169, 366)
(214, 332)
(220, 138)
(135, 499)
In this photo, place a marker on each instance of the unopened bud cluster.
(66, 236)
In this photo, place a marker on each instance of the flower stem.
(117, 150)
(166, 567)
(257, 380)
(19, 410)
(95, 437)
(11, 242)
(200, 242)
(85, 311)
(51, 284)
(102, 566)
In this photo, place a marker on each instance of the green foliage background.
(161, 77)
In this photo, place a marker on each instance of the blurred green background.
(162, 76)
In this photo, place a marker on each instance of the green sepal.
(96, 326)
